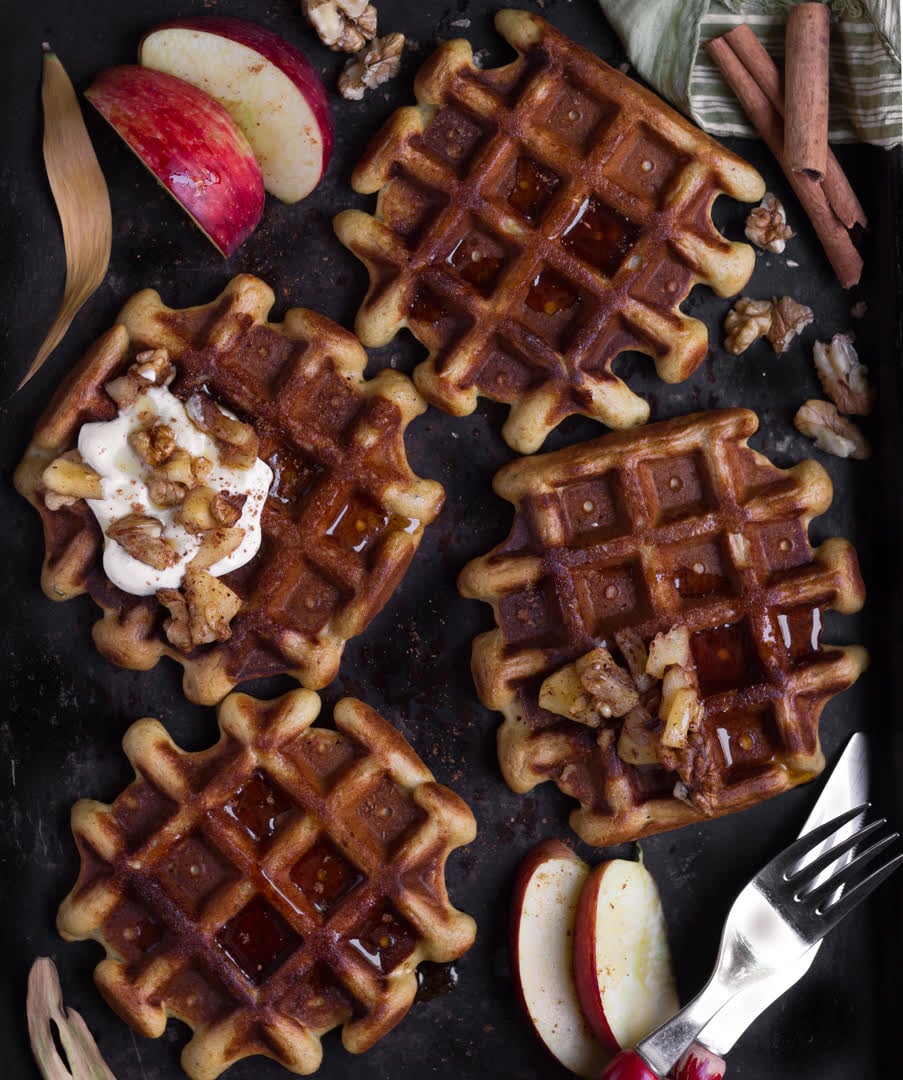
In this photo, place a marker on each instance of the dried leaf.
(81, 197)
(44, 1007)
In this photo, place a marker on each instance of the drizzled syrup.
(600, 236)
(532, 188)
(550, 293)
(324, 876)
(257, 940)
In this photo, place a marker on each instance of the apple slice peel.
(269, 87)
(622, 963)
(190, 144)
(546, 892)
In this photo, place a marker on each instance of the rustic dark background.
(66, 708)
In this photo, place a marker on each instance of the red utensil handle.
(699, 1064)
(628, 1065)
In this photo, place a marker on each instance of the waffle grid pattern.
(685, 524)
(271, 888)
(341, 523)
(533, 222)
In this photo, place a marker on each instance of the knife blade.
(846, 787)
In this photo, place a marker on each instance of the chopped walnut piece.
(211, 606)
(746, 321)
(780, 320)
(142, 538)
(343, 25)
(177, 627)
(70, 478)
(216, 545)
(164, 492)
(831, 432)
(237, 442)
(611, 688)
(787, 320)
(179, 467)
(153, 446)
(372, 67)
(766, 225)
(151, 368)
(843, 378)
(636, 656)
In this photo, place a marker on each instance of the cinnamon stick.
(806, 89)
(755, 57)
(766, 119)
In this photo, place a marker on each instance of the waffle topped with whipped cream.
(534, 222)
(338, 516)
(264, 891)
(624, 538)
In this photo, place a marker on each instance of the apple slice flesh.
(270, 89)
(191, 145)
(622, 963)
(544, 910)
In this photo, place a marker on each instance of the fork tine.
(854, 895)
(847, 872)
(790, 858)
(814, 867)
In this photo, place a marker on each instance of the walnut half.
(343, 25)
(831, 432)
(842, 377)
(372, 67)
(780, 320)
(766, 225)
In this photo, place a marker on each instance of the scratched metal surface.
(66, 708)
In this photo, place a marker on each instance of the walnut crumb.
(343, 25)
(766, 225)
(843, 378)
(831, 432)
(372, 67)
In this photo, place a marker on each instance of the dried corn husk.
(81, 197)
(45, 1007)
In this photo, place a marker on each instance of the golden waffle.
(283, 882)
(682, 523)
(536, 220)
(341, 522)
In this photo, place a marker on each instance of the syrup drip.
(257, 940)
(259, 807)
(532, 188)
(693, 584)
(384, 941)
(324, 876)
(355, 527)
(434, 980)
(800, 630)
(725, 659)
(550, 294)
(474, 266)
(600, 236)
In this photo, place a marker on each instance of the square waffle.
(340, 524)
(536, 220)
(681, 524)
(288, 880)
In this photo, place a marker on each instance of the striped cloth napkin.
(663, 39)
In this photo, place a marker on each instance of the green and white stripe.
(664, 41)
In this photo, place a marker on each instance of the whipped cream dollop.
(104, 446)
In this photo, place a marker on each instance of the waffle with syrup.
(535, 221)
(340, 524)
(286, 881)
(679, 524)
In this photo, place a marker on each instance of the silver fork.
(776, 918)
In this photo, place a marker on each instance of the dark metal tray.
(67, 708)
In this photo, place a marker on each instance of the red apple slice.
(191, 145)
(622, 964)
(271, 90)
(544, 910)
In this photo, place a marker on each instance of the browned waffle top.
(536, 220)
(681, 524)
(341, 522)
(283, 882)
